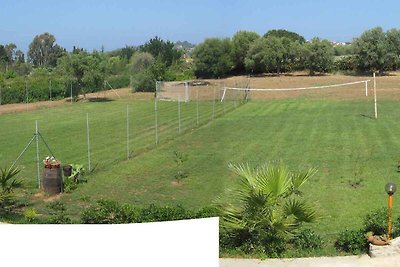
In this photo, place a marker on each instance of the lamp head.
(390, 188)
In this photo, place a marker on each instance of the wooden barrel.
(52, 180)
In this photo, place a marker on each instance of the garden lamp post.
(390, 190)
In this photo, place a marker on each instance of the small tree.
(213, 58)
(318, 55)
(265, 208)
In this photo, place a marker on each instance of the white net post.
(366, 88)
(375, 101)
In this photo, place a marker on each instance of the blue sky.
(115, 23)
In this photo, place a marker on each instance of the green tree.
(86, 71)
(242, 41)
(163, 50)
(376, 51)
(265, 207)
(285, 33)
(141, 61)
(318, 55)
(43, 52)
(272, 54)
(213, 58)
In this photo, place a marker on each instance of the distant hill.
(184, 45)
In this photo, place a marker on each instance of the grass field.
(355, 154)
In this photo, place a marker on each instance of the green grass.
(355, 154)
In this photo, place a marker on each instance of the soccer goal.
(173, 91)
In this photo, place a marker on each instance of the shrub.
(119, 81)
(30, 215)
(376, 221)
(307, 239)
(57, 212)
(352, 241)
(110, 212)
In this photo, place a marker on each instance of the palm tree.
(7, 183)
(266, 203)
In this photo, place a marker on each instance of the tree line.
(280, 51)
(50, 67)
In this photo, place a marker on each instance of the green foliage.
(307, 239)
(30, 215)
(7, 181)
(111, 212)
(213, 58)
(43, 52)
(318, 56)
(286, 34)
(77, 176)
(144, 82)
(352, 241)
(58, 213)
(119, 81)
(376, 50)
(242, 41)
(140, 62)
(376, 221)
(180, 158)
(161, 50)
(265, 208)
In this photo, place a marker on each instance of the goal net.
(345, 90)
(173, 91)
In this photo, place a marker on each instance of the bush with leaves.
(307, 239)
(58, 213)
(265, 208)
(112, 212)
(375, 222)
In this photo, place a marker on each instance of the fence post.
(88, 140)
(213, 111)
(50, 89)
(156, 114)
(179, 114)
(37, 153)
(197, 107)
(127, 131)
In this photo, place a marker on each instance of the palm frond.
(274, 180)
(299, 179)
(301, 211)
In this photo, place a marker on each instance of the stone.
(393, 249)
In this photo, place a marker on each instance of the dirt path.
(123, 93)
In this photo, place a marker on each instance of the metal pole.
(26, 90)
(390, 204)
(197, 108)
(88, 141)
(37, 153)
(50, 89)
(376, 108)
(179, 114)
(156, 117)
(127, 132)
(213, 111)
